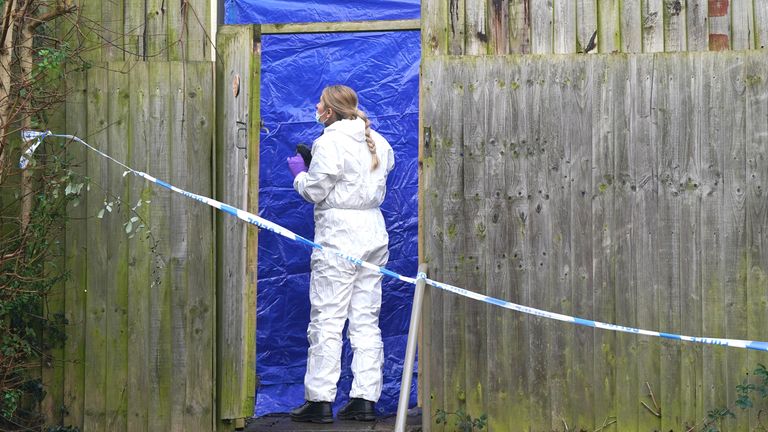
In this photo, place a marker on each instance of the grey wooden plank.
(156, 30)
(626, 287)
(160, 146)
(586, 24)
(198, 31)
(743, 24)
(99, 276)
(542, 25)
(653, 26)
(692, 116)
(476, 28)
(697, 34)
(539, 237)
(631, 27)
(140, 277)
(434, 75)
(719, 22)
(199, 330)
(582, 368)
(756, 204)
(761, 25)
(456, 27)
(612, 77)
(712, 267)
(180, 209)
(434, 27)
(668, 137)
(564, 21)
(76, 258)
(134, 40)
(348, 26)
(675, 26)
(118, 114)
(111, 31)
(477, 105)
(519, 27)
(455, 251)
(608, 26)
(556, 155)
(733, 222)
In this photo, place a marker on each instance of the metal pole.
(410, 352)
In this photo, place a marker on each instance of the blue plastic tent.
(383, 67)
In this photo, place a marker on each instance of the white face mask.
(318, 117)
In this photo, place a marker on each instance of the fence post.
(410, 350)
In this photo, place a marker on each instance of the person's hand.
(296, 165)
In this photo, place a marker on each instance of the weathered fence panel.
(475, 27)
(620, 188)
(140, 301)
(237, 156)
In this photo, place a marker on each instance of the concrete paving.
(283, 423)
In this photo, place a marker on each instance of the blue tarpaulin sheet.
(383, 67)
(300, 11)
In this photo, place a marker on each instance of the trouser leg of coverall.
(330, 293)
(364, 332)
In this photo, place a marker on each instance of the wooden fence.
(625, 188)
(472, 27)
(150, 346)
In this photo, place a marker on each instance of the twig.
(653, 398)
(565, 424)
(606, 423)
(650, 409)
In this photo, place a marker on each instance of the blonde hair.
(343, 101)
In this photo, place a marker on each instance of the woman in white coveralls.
(346, 180)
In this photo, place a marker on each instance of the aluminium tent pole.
(410, 352)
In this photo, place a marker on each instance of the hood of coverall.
(354, 129)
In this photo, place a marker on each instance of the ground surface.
(282, 423)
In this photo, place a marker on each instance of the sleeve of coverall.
(324, 171)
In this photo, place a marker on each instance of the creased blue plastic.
(304, 11)
(383, 67)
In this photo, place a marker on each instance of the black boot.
(357, 409)
(314, 412)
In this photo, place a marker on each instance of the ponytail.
(369, 140)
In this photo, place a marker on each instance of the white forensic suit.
(347, 196)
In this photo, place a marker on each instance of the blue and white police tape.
(251, 218)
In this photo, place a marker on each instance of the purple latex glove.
(296, 165)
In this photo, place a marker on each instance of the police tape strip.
(29, 136)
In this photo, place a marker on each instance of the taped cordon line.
(38, 137)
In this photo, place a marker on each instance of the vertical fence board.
(653, 25)
(757, 208)
(199, 331)
(457, 27)
(611, 77)
(625, 286)
(475, 233)
(160, 352)
(581, 365)
(98, 283)
(498, 27)
(743, 24)
(519, 27)
(140, 279)
(111, 30)
(454, 252)
(712, 269)
(117, 255)
(178, 235)
(477, 30)
(156, 36)
(564, 20)
(733, 224)
(667, 117)
(631, 27)
(586, 24)
(675, 30)
(719, 20)
(697, 34)
(761, 24)
(541, 27)
(608, 26)
(196, 16)
(555, 203)
(77, 264)
(133, 31)
(539, 236)
(691, 112)
(434, 27)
